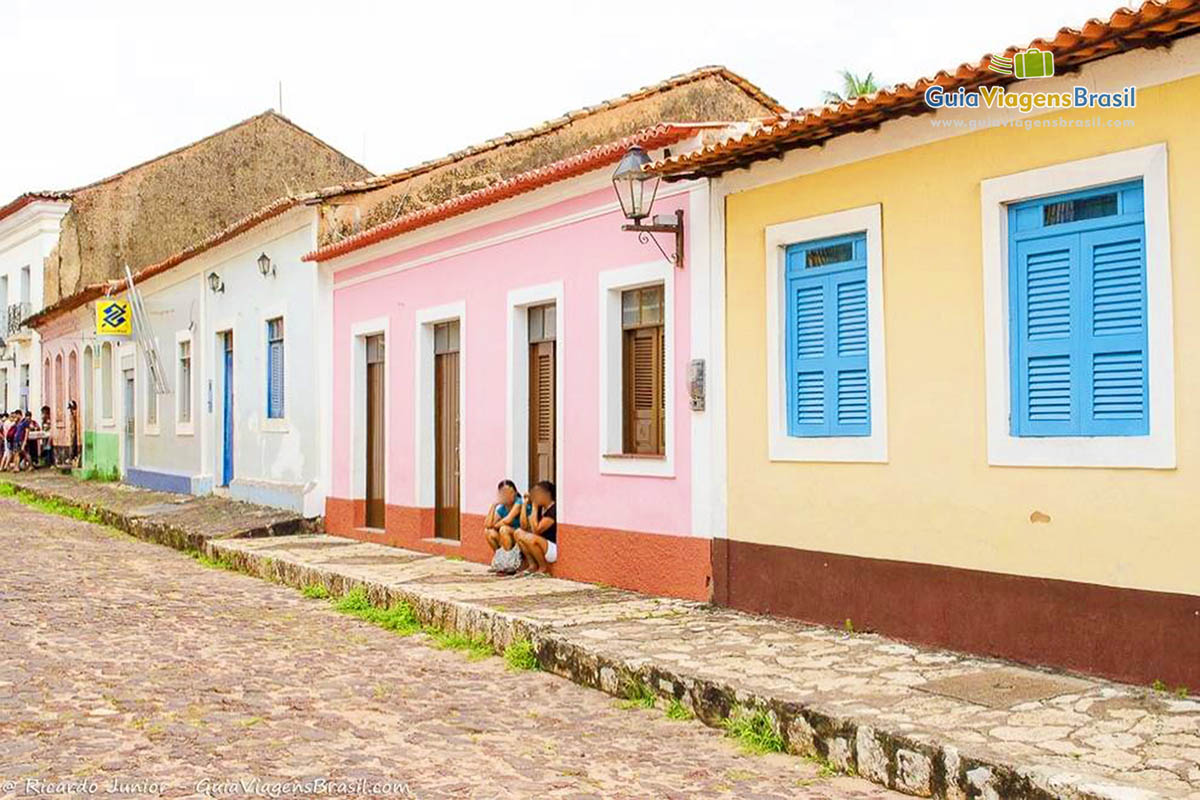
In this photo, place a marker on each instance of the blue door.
(227, 412)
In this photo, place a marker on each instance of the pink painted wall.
(574, 254)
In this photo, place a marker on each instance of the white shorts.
(551, 552)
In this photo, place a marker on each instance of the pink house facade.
(515, 332)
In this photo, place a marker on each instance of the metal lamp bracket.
(646, 235)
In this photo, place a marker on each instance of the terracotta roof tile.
(1154, 23)
(549, 126)
(30, 197)
(94, 291)
(269, 113)
(579, 164)
(104, 288)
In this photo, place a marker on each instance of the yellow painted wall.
(937, 500)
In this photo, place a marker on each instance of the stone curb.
(157, 531)
(916, 766)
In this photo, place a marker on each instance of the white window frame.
(187, 428)
(425, 319)
(108, 416)
(517, 381)
(148, 390)
(273, 424)
(1155, 451)
(861, 449)
(612, 419)
(359, 333)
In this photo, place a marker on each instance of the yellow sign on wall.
(113, 318)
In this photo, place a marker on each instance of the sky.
(92, 88)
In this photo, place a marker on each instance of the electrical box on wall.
(696, 383)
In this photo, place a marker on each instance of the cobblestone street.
(128, 661)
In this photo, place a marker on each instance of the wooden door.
(447, 418)
(542, 393)
(375, 516)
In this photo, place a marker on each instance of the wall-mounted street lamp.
(265, 267)
(636, 190)
(215, 284)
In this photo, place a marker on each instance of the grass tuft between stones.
(398, 617)
(755, 731)
(476, 647)
(50, 506)
(520, 655)
(315, 591)
(205, 560)
(678, 711)
(638, 695)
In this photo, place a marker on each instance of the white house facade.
(29, 229)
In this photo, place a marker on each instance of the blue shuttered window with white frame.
(1078, 314)
(275, 366)
(828, 342)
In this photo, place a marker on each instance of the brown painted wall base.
(676, 566)
(1124, 634)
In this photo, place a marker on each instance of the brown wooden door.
(376, 514)
(446, 431)
(541, 412)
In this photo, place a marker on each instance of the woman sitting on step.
(499, 527)
(538, 537)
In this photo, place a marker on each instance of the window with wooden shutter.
(644, 379)
(828, 357)
(1078, 314)
(275, 366)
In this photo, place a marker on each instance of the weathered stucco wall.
(156, 209)
(711, 98)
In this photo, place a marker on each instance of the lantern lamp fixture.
(265, 267)
(636, 190)
(215, 284)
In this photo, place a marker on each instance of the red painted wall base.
(653, 563)
(1124, 634)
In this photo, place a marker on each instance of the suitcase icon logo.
(1031, 63)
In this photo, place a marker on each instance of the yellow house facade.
(960, 400)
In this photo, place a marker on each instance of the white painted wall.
(26, 238)
(276, 462)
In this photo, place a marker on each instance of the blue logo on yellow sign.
(113, 318)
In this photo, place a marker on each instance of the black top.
(551, 533)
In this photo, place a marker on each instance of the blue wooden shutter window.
(827, 352)
(1078, 314)
(275, 369)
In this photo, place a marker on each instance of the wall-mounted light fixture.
(265, 267)
(636, 190)
(215, 283)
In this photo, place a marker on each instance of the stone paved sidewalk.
(177, 520)
(924, 721)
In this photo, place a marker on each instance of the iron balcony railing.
(15, 316)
